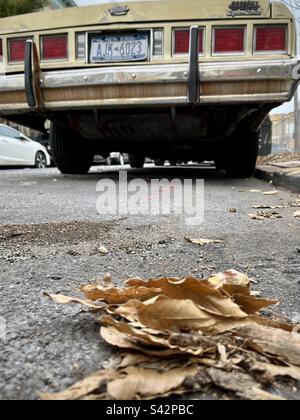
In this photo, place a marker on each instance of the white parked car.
(16, 149)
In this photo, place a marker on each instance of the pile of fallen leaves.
(180, 336)
(278, 158)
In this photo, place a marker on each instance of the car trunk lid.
(141, 11)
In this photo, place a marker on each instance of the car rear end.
(147, 76)
(138, 54)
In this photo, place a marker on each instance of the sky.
(285, 108)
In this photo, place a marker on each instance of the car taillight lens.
(229, 40)
(272, 38)
(16, 50)
(54, 47)
(182, 41)
(80, 46)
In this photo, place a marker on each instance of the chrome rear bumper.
(152, 85)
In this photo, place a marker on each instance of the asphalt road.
(50, 234)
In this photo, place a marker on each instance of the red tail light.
(272, 38)
(54, 47)
(182, 41)
(16, 50)
(229, 40)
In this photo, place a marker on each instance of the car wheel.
(40, 160)
(159, 162)
(136, 161)
(70, 153)
(242, 156)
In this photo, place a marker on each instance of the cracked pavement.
(50, 234)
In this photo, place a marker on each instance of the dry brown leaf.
(266, 206)
(203, 241)
(232, 283)
(244, 385)
(272, 323)
(254, 191)
(115, 295)
(271, 371)
(82, 388)
(229, 278)
(293, 204)
(176, 315)
(115, 338)
(270, 192)
(185, 316)
(263, 215)
(203, 293)
(95, 397)
(137, 359)
(138, 335)
(124, 335)
(251, 304)
(278, 343)
(176, 325)
(61, 299)
(138, 382)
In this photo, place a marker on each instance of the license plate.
(112, 48)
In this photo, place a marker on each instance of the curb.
(289, 179)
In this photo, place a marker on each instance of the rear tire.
(70, 154)
(40, 160)
(136, 161)
(242, 156)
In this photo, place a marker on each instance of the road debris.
(297, 214)
(267, 206)
(256, 191)
(184, 335)
(203, 241)
(263, 215)
(253, 191)
(232, 210)
(280, 206)
(103, 250)
(278, 158)
(295, 203)
(270, 193)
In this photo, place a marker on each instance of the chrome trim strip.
(157, 74)
(177, 73)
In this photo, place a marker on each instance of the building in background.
(283, 133)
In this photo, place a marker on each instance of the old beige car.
(165, 79)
